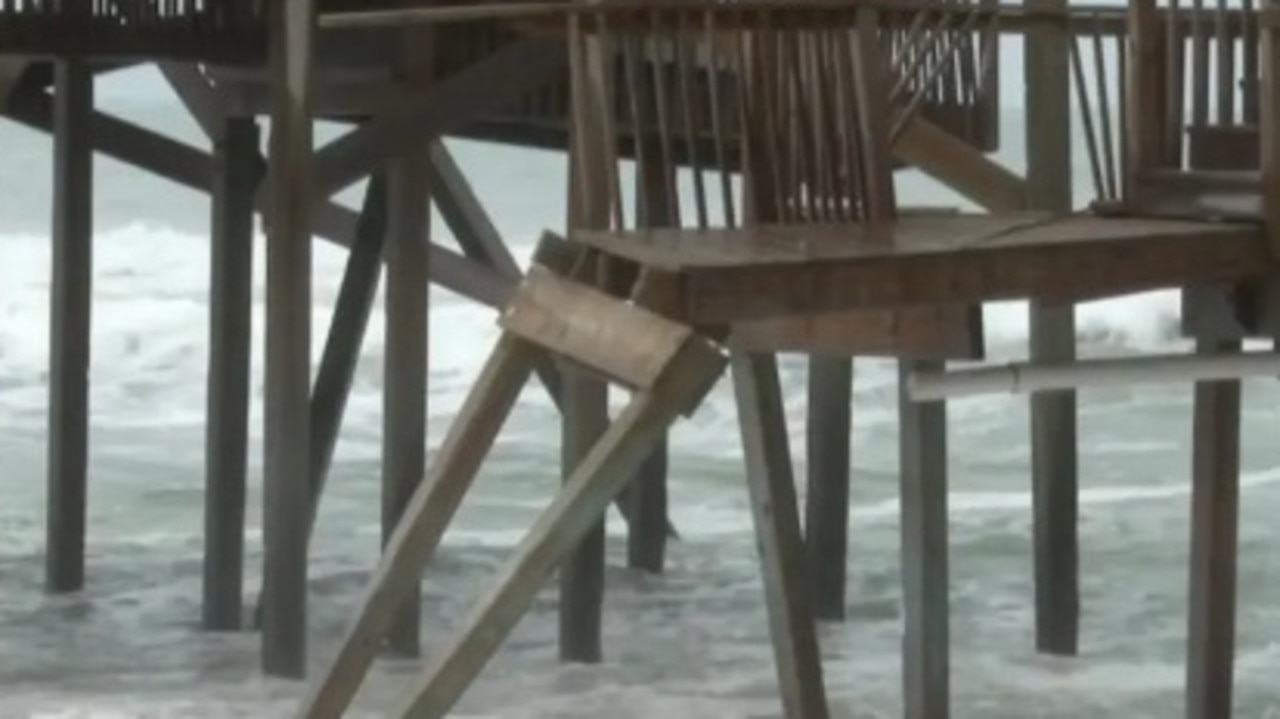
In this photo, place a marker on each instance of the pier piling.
(70, 327)
(236, 175)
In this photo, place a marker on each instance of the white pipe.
(1023, 377)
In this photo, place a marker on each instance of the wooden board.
(771, 271)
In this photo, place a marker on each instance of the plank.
(287, 388)
(423, 524)
(581, 576)
(559, 530)
(1215, 500)
(70, 328)
(778, 539)
(1054, 462)
(926, 642)
(228, 383)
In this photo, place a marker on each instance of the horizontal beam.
(1026, 378)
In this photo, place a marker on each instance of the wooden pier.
(791, 119)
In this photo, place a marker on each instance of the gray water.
(692, 643)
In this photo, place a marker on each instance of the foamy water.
(692, 643)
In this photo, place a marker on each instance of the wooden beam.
(70, 328)
(206, 105)
(961, 167)
(1054, 459)
(601, 474)
(1269, 122)
(287, 434)
(1215, 500)
(774, 511)
(453, 101)
(926, 641)
(230, 349)
(418, 535)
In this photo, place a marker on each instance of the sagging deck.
(727, 275)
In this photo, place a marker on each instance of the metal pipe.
(1024, 377)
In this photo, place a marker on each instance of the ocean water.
(692, 643)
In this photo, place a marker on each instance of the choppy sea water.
(692, 643)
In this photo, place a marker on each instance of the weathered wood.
(423, 523)
(404, 432)
(230, 352)
(926, 642)
(287, 390)
(1054, 480)
(357, 294)
(754, 273)
(577, 509)
(70, 328)
(1215, 481)
(586, 419)
(778, 540)
(826, 527)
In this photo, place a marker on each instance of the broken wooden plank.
(961, 167)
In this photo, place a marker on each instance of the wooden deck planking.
(751, 273)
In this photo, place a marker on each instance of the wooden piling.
(404, 392)
(1054, 471)
(775, 513)
(926, 642)
(287, 433)
(230, 345)
(647, 503)
(830, 433)
(69, 336)
(586, 416)
(1215, 499)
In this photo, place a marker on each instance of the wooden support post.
(830, 432)
(1215, 499)
(404, 408)
(926, 642)
(69, 331)
(576, 511)
(429, 513)
(1053, 414)
(286, 473)
(777, 522)
(230, 346)
(646, 496)
(586, 416)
